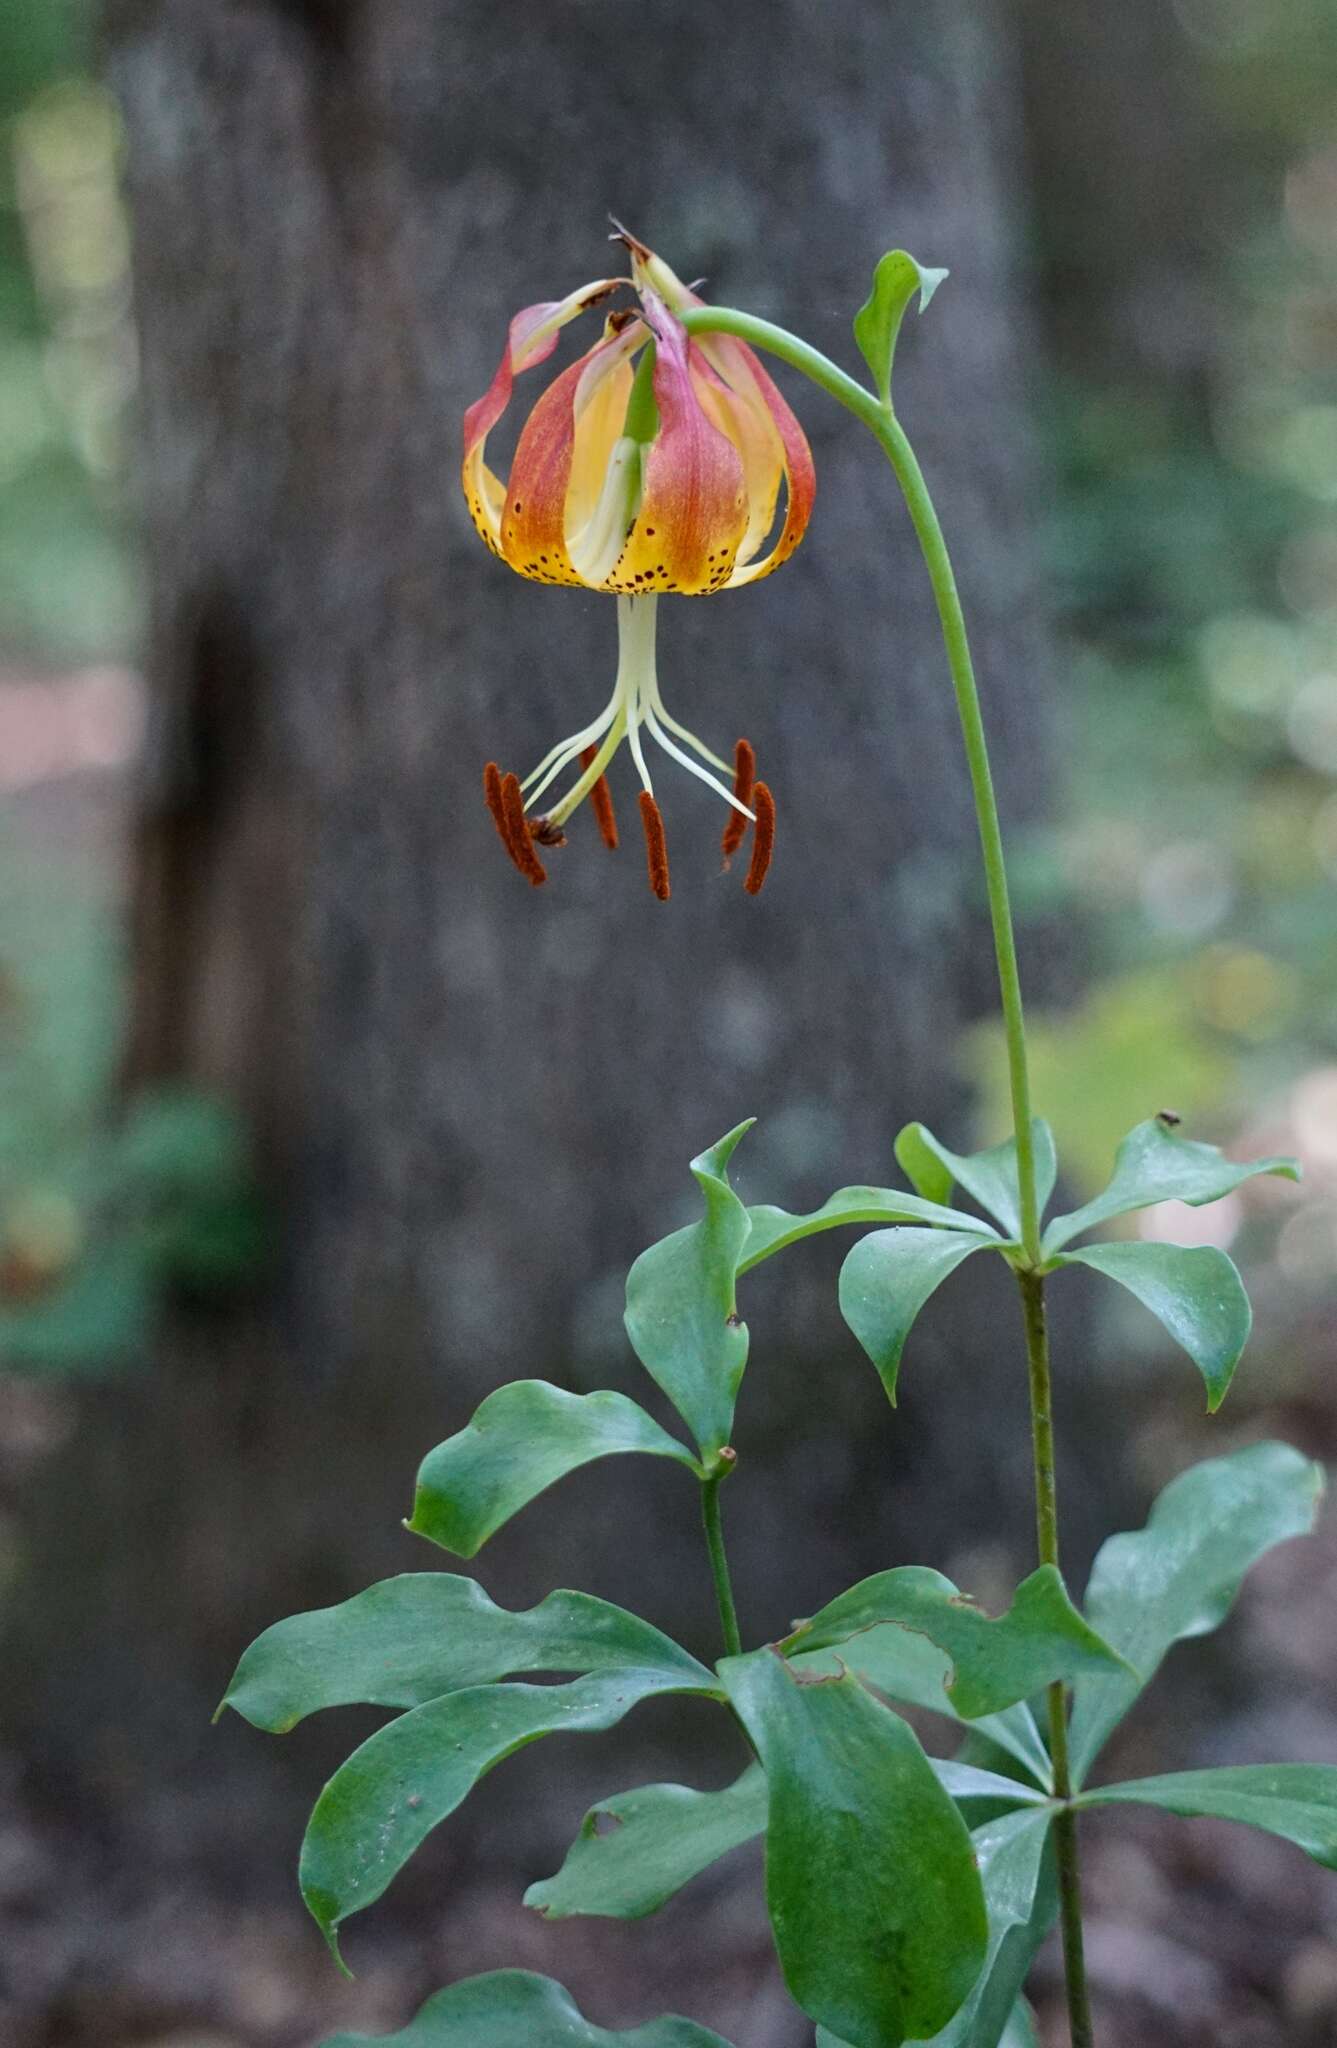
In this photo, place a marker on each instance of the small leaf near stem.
(878, 322)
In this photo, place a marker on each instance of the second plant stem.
(881, 421)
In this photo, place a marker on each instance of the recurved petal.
(750, 427)
(599, 410)
(535, 519)
(693, 512)
(531, 339)
(741, 370)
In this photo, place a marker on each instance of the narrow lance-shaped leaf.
(682, 1310)
(1194, 1291)
(408, 1776)
(1041, 1640)
(878, 321)
(1178, 1577)
(773, 1229)
(991, 1177)
(1154, 1164)
(521, 1440)
(1021, 1894)
(885, 1281)
(515, 2009)
(1296, 1801)
(874, 1897)
(412, 1638)
(638, 1848)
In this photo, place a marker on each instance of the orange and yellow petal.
(737, 363)
(599, 410)
(531, 339)
(750, 427)
(693, 510)
(536, 511)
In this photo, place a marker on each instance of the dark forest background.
(315, 1124)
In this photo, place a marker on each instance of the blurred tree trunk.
(1138, 198)
(474, 1103)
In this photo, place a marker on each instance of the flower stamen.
(656, 846)
(518, 842)
(744, 780)
(601, 796)
(763, 843)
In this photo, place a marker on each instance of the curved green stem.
(881, 421)
(719, 1564)
(883, 424)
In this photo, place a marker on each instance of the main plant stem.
(719, 1565)
(886, 428)
(1046, 1530)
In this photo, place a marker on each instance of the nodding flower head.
(651, 465)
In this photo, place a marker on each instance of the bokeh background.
(314, 1125)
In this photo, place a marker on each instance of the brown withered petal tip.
(518, 842)
(601, 798)
(744, 778)
(763, 844)
(656, 846)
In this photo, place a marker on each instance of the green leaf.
(410, 1639)
(515, 2009)
(1021, 1894)
(918, 1159)
(1040, 1641)
(522, 1439)
(1296, 1801)
(1178, 1577)
(408, 1776)
(1193, 1290)
(971, 1787)
(911, 1669)
(878, 322)
(885, 1281)
(682, 1309)
(1154, 1165)
(637, 1849)
(990, 1177)
(874, 1897)
(773, 1229)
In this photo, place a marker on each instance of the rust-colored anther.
(744, 779)
(518, 842)
(601, 796)
(492, 798)
(656, 846)
(763, 843)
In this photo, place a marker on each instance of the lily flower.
(651, 466)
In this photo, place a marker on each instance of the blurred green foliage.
(101, 1212)
(98, 1217)
(1195, 549)
(69, 585)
